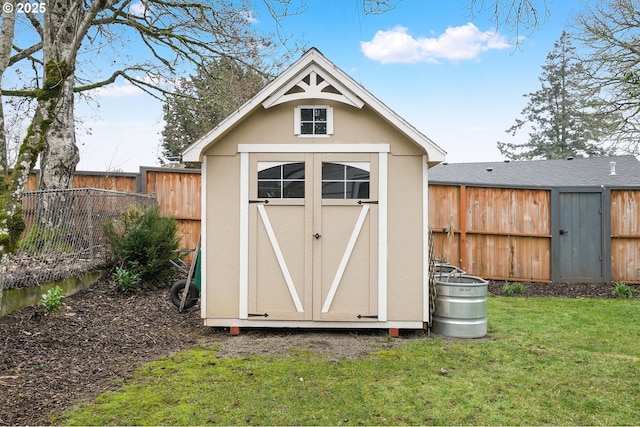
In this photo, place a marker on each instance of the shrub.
(53, 300)
(622, 290)
(143, 242)
(513, 288)
(127, 280)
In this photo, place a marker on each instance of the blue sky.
(449, 74)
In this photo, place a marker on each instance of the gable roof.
(570, 172)
(314, 76)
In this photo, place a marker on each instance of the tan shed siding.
(405, 248)
(625, 235)
(223, 243)
(351, 125)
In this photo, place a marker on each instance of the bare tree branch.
(33, 18)
(26, 53)
(519, 17)
(609, 32)
(378, 7)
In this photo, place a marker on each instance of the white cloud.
(461, 43)
(139, 9)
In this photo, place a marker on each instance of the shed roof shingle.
(577, 172)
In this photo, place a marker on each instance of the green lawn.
(545, 361)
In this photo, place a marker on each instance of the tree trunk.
(58, 164)
(7, 31)
(11, 219)
(65, 25)
(60, 156)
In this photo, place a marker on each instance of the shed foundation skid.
(235, 325)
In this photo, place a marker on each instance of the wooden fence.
(625, 235)
(177, 192)
(495, 233)
(505, 233)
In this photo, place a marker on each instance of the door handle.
(564, 231)
(317, 236)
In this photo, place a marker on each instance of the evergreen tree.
(562, 114)
(204, 100)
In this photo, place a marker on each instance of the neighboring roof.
(571, 172)
(292, 84)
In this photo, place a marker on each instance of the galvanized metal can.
(461, 307)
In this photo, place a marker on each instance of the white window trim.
(297, 121)
(381, 149)
(203, 240)
(313, 148)
(426, 314)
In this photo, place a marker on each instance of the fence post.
(462, 237)
(90, 225)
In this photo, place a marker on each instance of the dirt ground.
(50, 362)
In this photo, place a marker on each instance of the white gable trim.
(351, 90)
(313, 89)
(426, 310)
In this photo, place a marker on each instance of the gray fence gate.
(579, 249)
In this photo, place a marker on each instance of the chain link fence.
(63, 235)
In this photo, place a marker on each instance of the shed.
(315, 208)
(569, 220)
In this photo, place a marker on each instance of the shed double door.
(313, 236)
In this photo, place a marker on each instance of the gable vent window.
(313, 120)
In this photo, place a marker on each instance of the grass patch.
(515, 288)
(622, 290)
(546, 361)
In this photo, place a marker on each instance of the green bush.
(513, 288)
(622, 290)
(127, 280)
(143, 242)
(53, 300)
